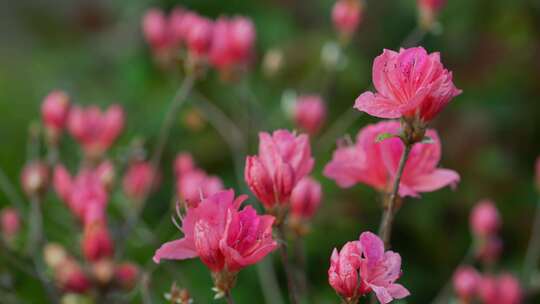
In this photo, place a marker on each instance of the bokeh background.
(491, 133)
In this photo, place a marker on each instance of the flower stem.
(533, 249)
(286, 264)
(229, 298)
(385, 229)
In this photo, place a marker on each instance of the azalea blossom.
(305, 198)
(283, 160)
(10, 222)
(139, 180)
(346, 16)
(224, 237)
(485, 219)
(232, 42)
(376, 163)
(466, 282)
(363, 266)
(54, 113)
(503, 289)
(192, 183)
(309, 113)
(95, 130)
(410, 83)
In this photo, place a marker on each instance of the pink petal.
(382, 294)
(373, 247)
(377, 105)
(175, 250)
(397, 291)
(436, 180)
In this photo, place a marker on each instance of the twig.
(286, 264)
(533, 250)
(388, 215)
(229, 298)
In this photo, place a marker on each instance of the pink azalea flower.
(305, 198)
(155, 29)
(222, 236)
(54, 112)
(466, 281)
(347, 15)
(283, 160)
(485, 219)
(126, 275)
(310, 113)
(95, 130)
(85, 190)
(410, 83)
(177, 24)
(71, 277)
(375, 163)
(363, 266)
(139, 180)
(232, 42)
(192, 183)
(96, 241)
(199, 35)
(504, 289)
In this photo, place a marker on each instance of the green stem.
(286, 264)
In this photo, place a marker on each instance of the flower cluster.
(226, 43)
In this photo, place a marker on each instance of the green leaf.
(384, 136)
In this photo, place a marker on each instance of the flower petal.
(377, 105)
(175, 250)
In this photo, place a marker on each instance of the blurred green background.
(491, 133)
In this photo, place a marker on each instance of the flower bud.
(54, 255)
(183, 164)
(305, 198)
(70, 277)
(466, 281)
(504, 289)
(126, 275)
(485, 219)
(155, 29)
(10, 222)
(103, 271)
(34, 178)
(96, 243)
(54, 112)
(428, 11)
(538, 174)
(140, 179)
(347, 15)
(310, 113)
(199, 36)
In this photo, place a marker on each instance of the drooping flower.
(346, 16)
(192, 183)
(284, 159)
(222, 236)
(54, 113)
(35, 178)
(95, 130)
(504, 289)
(410, 83)
(466, 282)
(232, 43)
(309, 113)
(363, 266)
(485, 219)
(139, 180)
(375, 163)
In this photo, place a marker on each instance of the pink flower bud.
(310, 113)
(232, 42)
(485, 219)
(410, 83)
(177, 24)
(155, 29)
(504, 289)
(283, 160)
(126, 275)
(54, 112)
(96, 243)
(140, 179)
(183, 164)
(363, 266)
(347, 15)
(199, 36)
(466, 282)
(95, 130)
(193, 186)
(35, 178)
(10, 222)
(433, 5)
(225, 238)
(305, 198)
(428, 11)
(71, 278)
